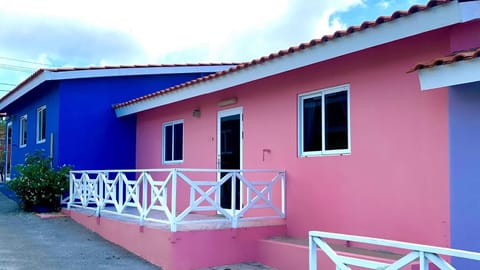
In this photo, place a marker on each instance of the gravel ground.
(29, 242)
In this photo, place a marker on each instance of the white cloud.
(326, 24)
(384, 4)
(160, 26)
(108, 32)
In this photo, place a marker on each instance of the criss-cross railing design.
(424, 255)
(173, 196)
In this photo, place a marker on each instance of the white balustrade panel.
(177, 196)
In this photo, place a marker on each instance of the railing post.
(422, 261)
(84, 190)
(70, 199)
(282, 175)
(312, 256)
(99, 194)
(233, 182)
(173, 225)
(120, 189)
(101, 184)
(144, 199)
(218, 187)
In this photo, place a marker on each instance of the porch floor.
(192, 222)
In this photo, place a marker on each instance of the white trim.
(8, 170)
(323, 92)
(39, 124)
(220, 115)
(469, 10)
(23, 130)
(414, 24)
(110, 72)
(44, 76)
(120, 72)
(229, 112)
(451, 74)
(172, 124)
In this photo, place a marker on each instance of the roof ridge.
(77, 68)
(39, 71)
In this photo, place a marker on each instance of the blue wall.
(464, 135)
(91, 137)
(86, 132)
(45, 94)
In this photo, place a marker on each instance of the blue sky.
(58, 33)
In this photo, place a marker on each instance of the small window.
(173, 142)
(324, 122)
(41, 124)
(23, 131)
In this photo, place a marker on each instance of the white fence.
(176, 196)
(423, 254)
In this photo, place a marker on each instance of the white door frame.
(220, 115)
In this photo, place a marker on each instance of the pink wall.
(395, 182)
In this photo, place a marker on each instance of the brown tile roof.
(324, 39)
(65, 69)
(452, 58)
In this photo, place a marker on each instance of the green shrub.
(38, 185)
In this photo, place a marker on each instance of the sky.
(58, 33)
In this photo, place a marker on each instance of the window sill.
(42, 141)
(324, 154)
(172, 162)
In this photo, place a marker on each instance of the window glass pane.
(312, 124)
(167, 147)
(23, 131)
(336, 121)
(178, 141)
(43, 125)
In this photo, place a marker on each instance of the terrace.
(182, 199)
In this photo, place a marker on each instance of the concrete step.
(241, 266)
(285, 253)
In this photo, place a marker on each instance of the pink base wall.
(183, 250)
(153, 245)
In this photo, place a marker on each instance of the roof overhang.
(48, 75)
(452, 74)
(430, 19)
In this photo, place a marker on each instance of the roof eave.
(47, 75)
(427, 20)
(451, 74)
(43, 76)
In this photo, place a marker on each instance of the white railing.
(424, 255)
(180, 196)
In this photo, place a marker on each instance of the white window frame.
(172, 124)
(322, 93)
(40, 124)
(23, 130)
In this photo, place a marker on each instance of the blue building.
(68, 112)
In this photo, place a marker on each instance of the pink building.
(364, 150)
